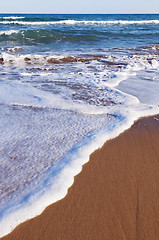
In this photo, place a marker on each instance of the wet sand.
(115, 197)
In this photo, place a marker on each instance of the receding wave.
(75, 22)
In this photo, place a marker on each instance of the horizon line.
(78, 13)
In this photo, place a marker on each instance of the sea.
(68, 83)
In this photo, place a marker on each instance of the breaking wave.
(75, 22)
(12, 17)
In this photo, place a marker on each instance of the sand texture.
(115, 197)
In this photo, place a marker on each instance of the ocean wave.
(12, 17)
(45, 36)
(75, 22)
(8, 32)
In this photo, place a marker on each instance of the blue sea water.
(68, 83)
(61, 33)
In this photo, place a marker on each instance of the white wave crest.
(74, 22)
(8, 32)
(12, 17)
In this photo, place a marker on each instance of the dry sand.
(115, 197)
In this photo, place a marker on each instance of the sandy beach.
(115, 197)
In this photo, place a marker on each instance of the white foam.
(15, 49)
(22, 94)
(121, 116)
(36, 204)
(21, 59)
(74, 22)
(12, 17)
(132, 64)
(135, 65)
(8, 32)
(103, 77)
(27, 74)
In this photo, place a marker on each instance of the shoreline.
(110, 199)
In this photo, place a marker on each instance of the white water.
(74, 22)
(9, 32)
(12, 17)
(57, 132)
